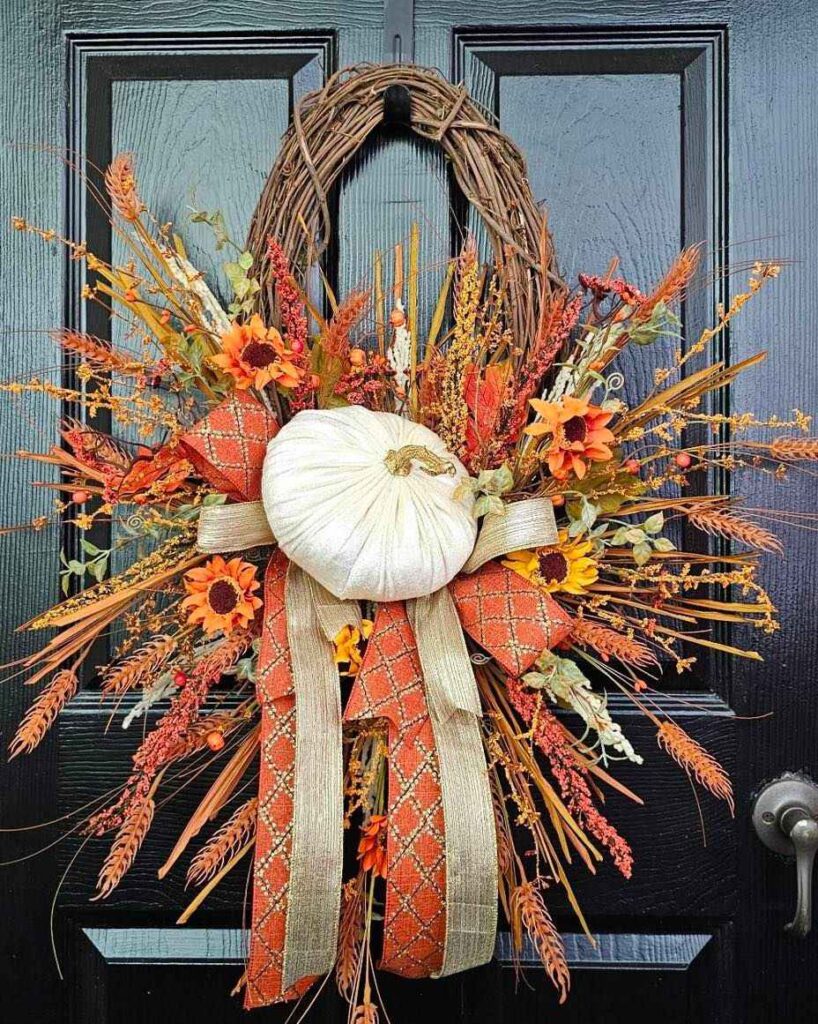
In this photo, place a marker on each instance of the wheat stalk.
(610, 644)
(527, 902)
(41, 715)
(365, 1013)
(93, 350)
(696, 761)
(120, 184)
(139, 666)
(335, 339)
(505, 845)
(716, 519)
(125, 846)
(794, 449)
(350, 938)
(232, 837)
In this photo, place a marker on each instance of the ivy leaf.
(663, 544)
(642, 553)
(245, 260)
(635, 535)
(620, 537)
(654, 523)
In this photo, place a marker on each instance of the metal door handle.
(785, 816)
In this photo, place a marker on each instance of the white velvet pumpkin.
(361, 530)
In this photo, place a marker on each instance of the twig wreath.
(392, 569)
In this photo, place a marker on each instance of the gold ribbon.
(317, 856)
(523, 524)
(233, 528)
(471, 838)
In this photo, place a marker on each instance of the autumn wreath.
(390, 568)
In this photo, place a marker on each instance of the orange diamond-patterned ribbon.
(389, 684)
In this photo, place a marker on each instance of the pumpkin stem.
(399, 461)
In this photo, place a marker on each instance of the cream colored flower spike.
(365, 503)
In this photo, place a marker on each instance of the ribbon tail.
(389, 684)
(471, 840)
(299, 851)
(311, 942)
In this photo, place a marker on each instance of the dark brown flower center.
(575, 429)
(553, 567)
(258, 354)
(223, 596)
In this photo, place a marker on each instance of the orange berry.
(397, 318)
(215, 740)
(297, 346)
(631, 466)
(180, 678)
(80, 497)
(191, 329)
(164, 316)
(557, 500)
(315, 381)
(683, 460)
(130, 295)
(598, 364)
(357, 356)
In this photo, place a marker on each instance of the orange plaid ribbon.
(505, 614)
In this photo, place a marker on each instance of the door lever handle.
(785, 817)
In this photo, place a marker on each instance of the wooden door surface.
(647, 126)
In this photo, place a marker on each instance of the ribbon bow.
(441, 887)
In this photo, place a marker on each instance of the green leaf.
(654, 523)
(620, 537)
(213, 499)
(90, 548)
(663, 544)
(245, 260)
(635, 535)
(65, 582)
(576, 528)
(642, 553)
(98, 569)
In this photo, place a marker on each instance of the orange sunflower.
(221, 595)
(578, 432)
(255, 355)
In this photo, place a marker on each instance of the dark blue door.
(647, 126)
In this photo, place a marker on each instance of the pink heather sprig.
(571, 776)
(169, 737)
(291, 308)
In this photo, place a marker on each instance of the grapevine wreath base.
(384, 573)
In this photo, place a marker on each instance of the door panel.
(624, 111)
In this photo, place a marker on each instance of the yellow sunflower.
(221, 595)
(565, 566)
